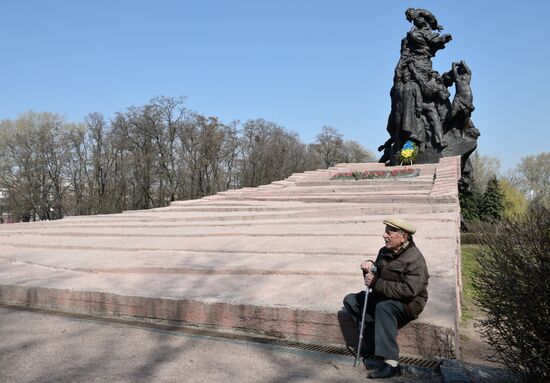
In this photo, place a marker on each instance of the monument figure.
(462, 106)
(421, 109)
(434, 93)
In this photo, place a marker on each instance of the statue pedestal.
(459, 146)
(427, 156)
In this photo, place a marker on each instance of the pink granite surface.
(274, 260)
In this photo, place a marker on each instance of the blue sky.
(301, 63)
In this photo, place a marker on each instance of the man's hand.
(367, 266)
(368, 278)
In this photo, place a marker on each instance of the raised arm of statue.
(438, 42)
(465, 67)
(461, 72)
(462, 106)
(441, 39)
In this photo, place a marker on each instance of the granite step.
(275, 260)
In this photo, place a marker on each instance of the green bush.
(471, 238)
(482, 227)
(513, 288)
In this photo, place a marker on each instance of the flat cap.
(401, 224)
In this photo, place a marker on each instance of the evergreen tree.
(492, 202)
(470, 203)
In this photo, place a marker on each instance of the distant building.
(5, 217)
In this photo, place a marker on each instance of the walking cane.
(367, 290)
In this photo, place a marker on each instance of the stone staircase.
(274, 260)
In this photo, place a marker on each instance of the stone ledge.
(281, 322)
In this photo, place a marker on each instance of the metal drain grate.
(217, 333)
(431, 364)
(409, 361)
(302, 346)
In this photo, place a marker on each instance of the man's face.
(393, 238)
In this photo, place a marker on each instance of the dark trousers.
(384, 317)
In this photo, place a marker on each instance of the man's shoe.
(373, 363)
(386, 371)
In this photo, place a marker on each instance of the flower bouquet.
(376, 174)
(408, 153)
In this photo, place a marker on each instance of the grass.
(473, 348)
(469, 267)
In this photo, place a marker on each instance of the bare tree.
(35, 152)
(354, 152)
(268, 153)
(77, 170)
(329, 146)
(167, 115)
(532, 176)
(230, 156)
(102, 157)
(147, 156)
(484, 168)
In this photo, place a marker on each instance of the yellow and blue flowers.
(408, 153)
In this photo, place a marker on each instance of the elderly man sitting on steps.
(399, 286)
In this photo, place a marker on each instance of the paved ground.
(44, 348)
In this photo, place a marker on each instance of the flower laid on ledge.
(376, 174)
(408, 153)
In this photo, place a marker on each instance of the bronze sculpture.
(421, 111)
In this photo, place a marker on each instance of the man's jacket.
(403, 277)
